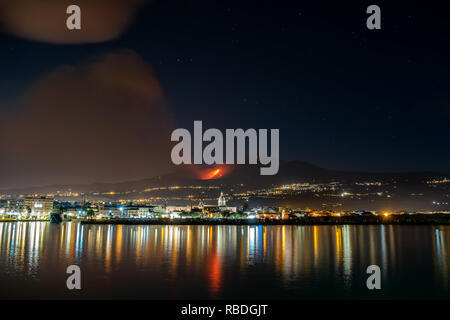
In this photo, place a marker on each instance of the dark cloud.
(106, 120)
(45, 20)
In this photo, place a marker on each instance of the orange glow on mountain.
(212, 174)
(208, 173)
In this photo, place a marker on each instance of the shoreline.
(377, 220)
(15, 220)
(417, 219)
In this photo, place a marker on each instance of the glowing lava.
(209, 173)
(212, 174)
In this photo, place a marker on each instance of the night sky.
(344, 97)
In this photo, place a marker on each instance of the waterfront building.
(150, 211)
(11, 207)
(131, 211)
(269, 213)
(37, 207)
(109, 211)
(143, 211)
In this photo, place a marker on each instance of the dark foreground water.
(223, 262)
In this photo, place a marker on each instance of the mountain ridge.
(290, 172)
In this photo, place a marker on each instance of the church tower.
(222, 201)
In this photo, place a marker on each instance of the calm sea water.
(223, 262)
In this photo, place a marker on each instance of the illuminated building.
(269, 213)
(109, 211)
(222, 202)
(143, 211)
(150, 211)
(220, 207)
(38, 206)
(131, 211)
(11, 207)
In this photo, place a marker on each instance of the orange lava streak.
(214, 173)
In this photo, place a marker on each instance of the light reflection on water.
(273, 262)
